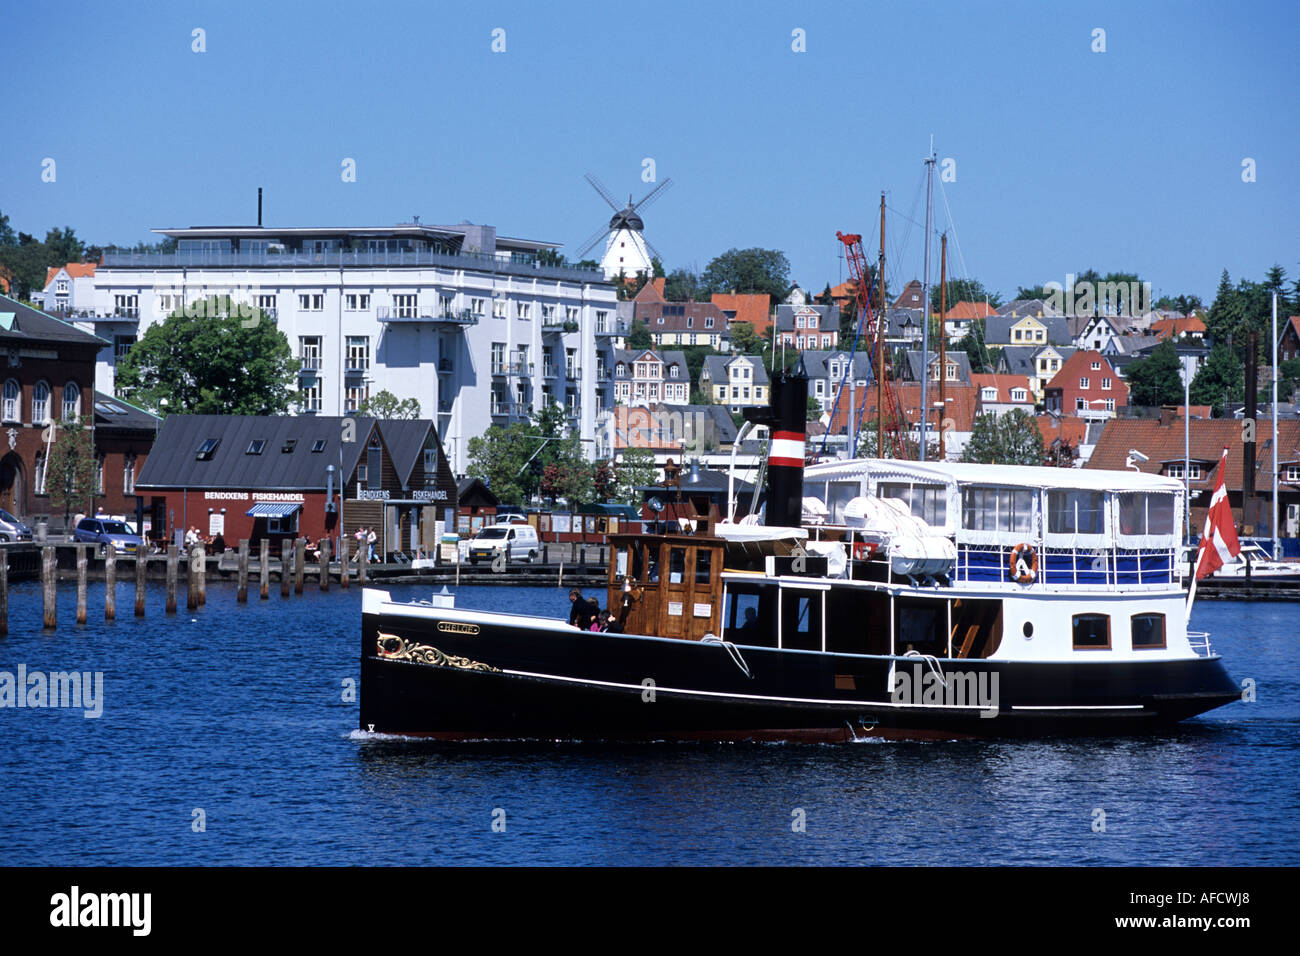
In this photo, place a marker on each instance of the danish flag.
(1219, 540)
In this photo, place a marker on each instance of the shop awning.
(270, 509)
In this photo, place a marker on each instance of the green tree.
(384, 404)
(72, 469)
(24, 265)
(1033, 292)
(749, 271)
(972, 343)
(964, 290)
(7, 236)
(1220, 380)
(682, 285)
(636, 470)
(1225, 312)
(1289, 379)
(745, 340)
(1156, 379)
(64, 246)
(657, 268)
(214, 357)
(638, 336)
(1011, 438)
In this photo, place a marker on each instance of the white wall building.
(468, 323)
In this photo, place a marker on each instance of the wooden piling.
(192, 578)
(203, 574)
(299, 564)
(81, 585)
(141, 566)
(286, 566)
(325, 564)
(47, 587)
(4, 591)
(173, 559)
(343, 561)
(110, 581)
(264, 569)
(241, 595)
(363, 560)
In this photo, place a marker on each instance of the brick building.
(48, 377)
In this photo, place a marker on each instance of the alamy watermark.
(952, 688)
(56, 689)
(1081, 299)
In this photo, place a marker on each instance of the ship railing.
(1200, 643)
(1071, 567)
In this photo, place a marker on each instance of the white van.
(519, 541)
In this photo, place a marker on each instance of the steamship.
(876, 598)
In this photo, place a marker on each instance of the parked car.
(11, 529)
(102, 531)
(518, 541)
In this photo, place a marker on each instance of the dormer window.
(989, 394)
(318, 446)
(1096, 366)
(1019, 395)
(207, 449)
(256, 446)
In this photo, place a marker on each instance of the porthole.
(1028, 630)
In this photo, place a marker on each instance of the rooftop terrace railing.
(349, 259)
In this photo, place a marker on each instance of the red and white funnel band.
(786, 450)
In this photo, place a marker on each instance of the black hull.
(569, 685)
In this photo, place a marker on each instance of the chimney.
(1168, 415)
(787, 417)
(259, 205)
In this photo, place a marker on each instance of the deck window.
(1141, 513)
(1074, 512)
(1092, 631)
(749, 616)
(676, 565)
(997, 509)
(703, 565)
(1148, 631)
(928, 502)
(801, 620)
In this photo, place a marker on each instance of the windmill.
(626, 248)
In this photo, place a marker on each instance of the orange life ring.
(863, 551)
(1022, 572)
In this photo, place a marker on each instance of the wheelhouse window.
(1074, 512)
(1144, 513)
(1091, 631)
(928, 502)
(1148, 631)
(997, 509)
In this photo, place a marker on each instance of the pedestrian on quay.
(371, 538)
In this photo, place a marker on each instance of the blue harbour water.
(239, 711)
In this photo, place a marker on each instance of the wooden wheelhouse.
(666, 585)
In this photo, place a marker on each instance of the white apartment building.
(467, 322)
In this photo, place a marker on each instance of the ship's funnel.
(787, 417)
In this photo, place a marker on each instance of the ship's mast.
(925, 297)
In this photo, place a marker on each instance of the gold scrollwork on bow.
(394, 648)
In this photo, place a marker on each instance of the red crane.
(888, 420)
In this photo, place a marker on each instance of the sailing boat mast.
(925, 298)
(881, 326)
(943, 337)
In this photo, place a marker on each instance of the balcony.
(445, 366)
(349, 258)
(512, 368)
(548, 371)
(356, 368)
(573, 373)
(559, 325)
(424, 314)
(309, 364)
(612, 328)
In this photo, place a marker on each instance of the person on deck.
(583, 611)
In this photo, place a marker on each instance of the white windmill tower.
(626, 248)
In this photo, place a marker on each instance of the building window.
(571, 314)
(41, 404)
(358, 353)
(126, 306)
(524, 310)
(12, 398)
(128, 474)
(256, 446)
(1110, 404)
(355, 396)
(498, 308)
(1083, 382)
(1096, 366)
(311, 302)
(1019, 395)
(478, 306)
(38, 479)
(99, 474)
(1091, 631)
(266, 304)
(71, 401)
(447, 305)
(1293, 474)
(165, 304)
(309, 352)
(430, 467)
(498, 357)
(405, 305)
(309, 400)
(988, 394)
(1175, 470)
(121, 346)
(356, 301)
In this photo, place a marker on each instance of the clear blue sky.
(1066, 159)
